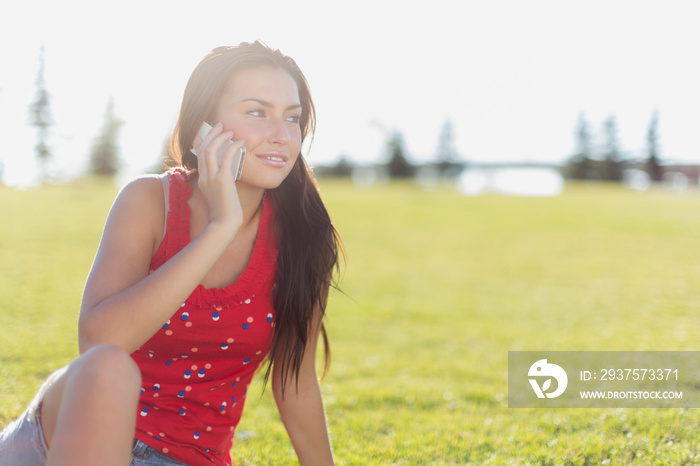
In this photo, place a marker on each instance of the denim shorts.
(22, 442)
(143, 455)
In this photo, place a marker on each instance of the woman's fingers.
(208, 151)
(227, 159)
(216, 182)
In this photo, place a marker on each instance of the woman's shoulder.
(151, 184)
(145, 188)
(142, 198)
(139, 210)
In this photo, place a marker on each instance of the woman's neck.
(251, 202)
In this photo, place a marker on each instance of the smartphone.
(238, 159)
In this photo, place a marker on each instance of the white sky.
(512, 75)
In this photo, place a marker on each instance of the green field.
(438, 288)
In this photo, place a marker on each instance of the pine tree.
(653, 165)
(104, 158)
(398, 166)
(612, 164)
(40, 117)
(447, 155)
(580, 166)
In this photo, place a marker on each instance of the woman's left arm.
(302, 409)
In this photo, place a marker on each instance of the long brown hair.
(308, 244)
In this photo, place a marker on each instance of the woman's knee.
(110, 364)
(104, 370)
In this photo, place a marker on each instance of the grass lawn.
(438, 288)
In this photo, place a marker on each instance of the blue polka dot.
(167, 324)
(156, 387)
(184, 355)
(224, 346)
(185, 316)
(233, 399)
(196, 435)
(181, 394)
(168, 363)
(159, 437)
(188, 374)
(215, 316)
(233, 384)
(246, 326)
(246, 360)
(144, 411)
(142, 391)
(223, 406)
(201, 373)
(269, 319)
(182, 411)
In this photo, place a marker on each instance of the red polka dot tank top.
(196, 368)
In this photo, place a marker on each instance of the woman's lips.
(275, 160)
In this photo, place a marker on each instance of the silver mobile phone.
(238, 159)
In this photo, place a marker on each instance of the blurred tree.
(612, 163)
(580, 165)
(398, 166)
(343, 168)
(653, 165)
(40, 117)
(104, 158)
(447, 155)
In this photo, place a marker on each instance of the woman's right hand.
(216, 181)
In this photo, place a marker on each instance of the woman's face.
(261, 106)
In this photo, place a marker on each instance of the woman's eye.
(256, 113)
(293, 118)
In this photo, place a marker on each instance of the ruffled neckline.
(261, 263)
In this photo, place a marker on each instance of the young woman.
(198, 279)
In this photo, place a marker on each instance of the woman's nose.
(279, 132)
